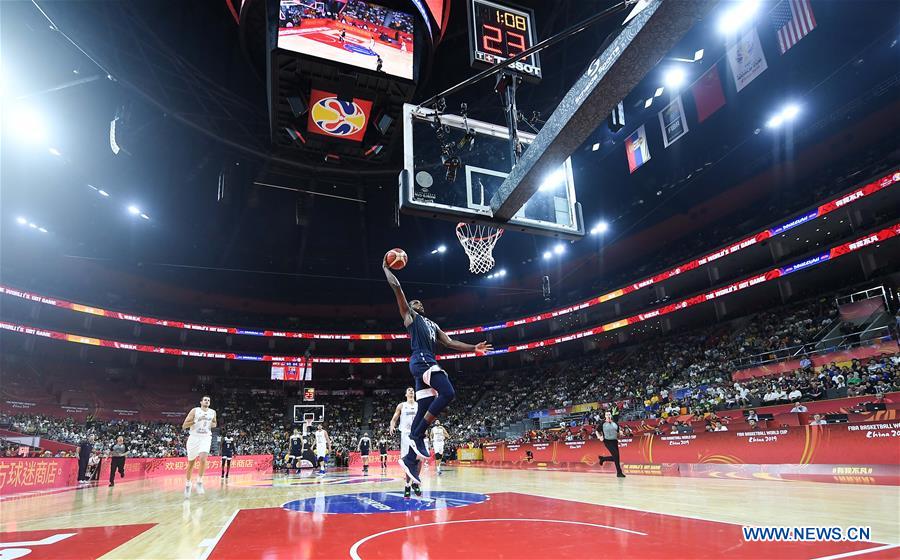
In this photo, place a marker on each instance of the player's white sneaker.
(187, 490)
(199, 488)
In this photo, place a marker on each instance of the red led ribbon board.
(343, 119)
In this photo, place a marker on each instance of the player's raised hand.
(483, 348)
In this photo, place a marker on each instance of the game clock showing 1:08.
(498, 32)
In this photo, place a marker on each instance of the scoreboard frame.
(530, 67)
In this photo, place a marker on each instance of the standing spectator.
(799, 407)
(84, 455)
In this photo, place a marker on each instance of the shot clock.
(498, 32)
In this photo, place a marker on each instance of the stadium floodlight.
(775, 121)
(103, 192)
(674, 78)
(600, 228)
(790, 111)
(134, 210)
(698, 55)
(659, 91)
(22, 221)
(595, 147)
(559, 249)
(28, 125)
(737, 16)
(55, 152)
(648, 103)
(554, 180)
(548, 255)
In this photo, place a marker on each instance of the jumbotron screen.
(351, 32)
(292, 371)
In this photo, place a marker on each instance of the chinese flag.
(708, 94)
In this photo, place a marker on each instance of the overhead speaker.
(384, 123)
(298, 106)
(616, 120)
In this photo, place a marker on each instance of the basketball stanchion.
(478, 242)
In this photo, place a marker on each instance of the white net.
(478, 242)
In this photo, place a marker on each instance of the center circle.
(384, 502)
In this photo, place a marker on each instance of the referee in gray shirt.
(117, 460)
(611, 441)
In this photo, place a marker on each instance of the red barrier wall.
(28, 475)
(136, 468)
(860, 353)
(876, 443)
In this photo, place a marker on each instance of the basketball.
(396, 258)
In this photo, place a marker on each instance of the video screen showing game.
(351, 32)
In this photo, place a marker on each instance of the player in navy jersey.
(227, 455)
(432, 384)
(364, 447)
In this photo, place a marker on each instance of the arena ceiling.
(194, 105)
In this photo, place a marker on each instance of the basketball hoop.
(478, 242)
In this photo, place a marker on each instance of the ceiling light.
(648, 103)
(659, 91)
(734, 18)
(442, 249)
(32, 225)
(134, 210)
(559, 249)
(502, 272)
(145, 216)
(674, 78)
(27, 125)
(601, 227)
(775, 121)
(103, 192)
(595, 147)
(790, 111)
(548, 255)
(54, 151)
(698, 55)
(21, 220)
(42, 230)
(554, 180)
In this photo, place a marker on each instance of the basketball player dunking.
(323, 446)
(200, 420)
(433, 388)
(405, 413)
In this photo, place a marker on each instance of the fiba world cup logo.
(338, 118)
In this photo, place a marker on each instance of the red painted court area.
(59, 544)
(507, 525)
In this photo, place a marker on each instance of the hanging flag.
(793, 20)
(746, 59)
(672, 122)
(636, 149)
(707, 92)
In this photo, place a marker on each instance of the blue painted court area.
(384, 502)
(358, 49)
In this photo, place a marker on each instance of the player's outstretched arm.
(396, 417)
(398, 293)
(447, 342)
(188, 421)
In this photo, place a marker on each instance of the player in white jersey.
(405, 413)
(200, 421)
(439, 436)
(323, 446)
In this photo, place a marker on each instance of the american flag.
(793, 19)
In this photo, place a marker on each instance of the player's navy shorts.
(421, 367)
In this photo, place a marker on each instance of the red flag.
(708, 94)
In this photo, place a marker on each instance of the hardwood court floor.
(468, 512)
